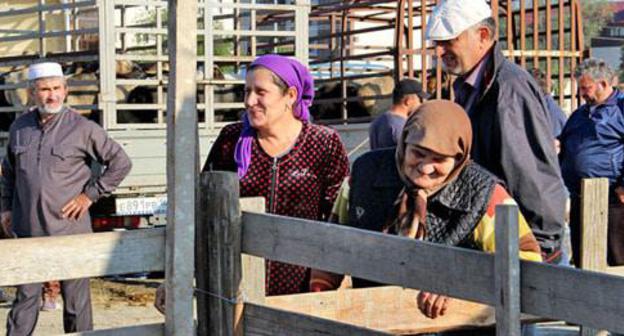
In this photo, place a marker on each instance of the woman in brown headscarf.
(444, 197)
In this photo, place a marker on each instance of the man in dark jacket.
(592, 145)
(510, 121)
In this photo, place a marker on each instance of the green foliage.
(596, 15)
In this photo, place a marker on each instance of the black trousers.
(77, 315)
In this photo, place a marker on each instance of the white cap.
(452, 17)
(46, 69)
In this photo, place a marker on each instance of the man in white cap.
(510, 121)
(47, 187)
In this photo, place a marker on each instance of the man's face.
(412, 102)
(461, 54)
(49, 94)
(592, 91)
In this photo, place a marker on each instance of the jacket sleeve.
(528, 163)
(484, 235)
(111, 155)
(7, 178)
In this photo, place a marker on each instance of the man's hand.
(159, 302)
(619, 191)
(77, 207)
(6, 230)
(432, 305)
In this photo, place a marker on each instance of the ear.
(484, 34)
(292, 94)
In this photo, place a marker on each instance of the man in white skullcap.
(510, 121)
(47, 187)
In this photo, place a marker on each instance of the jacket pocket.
(21, 156)
(60, 159)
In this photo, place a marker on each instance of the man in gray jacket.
(509, 117)
(47, 187)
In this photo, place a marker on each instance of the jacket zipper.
(271, 210)
(273, 185)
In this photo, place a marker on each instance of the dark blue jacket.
(557, 117)
(592, 145)
(513, 140)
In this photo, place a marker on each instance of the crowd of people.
(435, 172)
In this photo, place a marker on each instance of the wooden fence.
(230, 286)
(501, 280)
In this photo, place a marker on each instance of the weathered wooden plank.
(573, 295)
(253, 272)
(223, 265)
(616, 270)
(379, 257)
(391, 309)
(182, 167)
(31, 260)
(155, 329)
(594, 212)
(266, 321)
(507, 271)
(594, 222)
(551, 292)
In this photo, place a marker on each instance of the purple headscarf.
(294, 74)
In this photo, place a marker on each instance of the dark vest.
(452, 213)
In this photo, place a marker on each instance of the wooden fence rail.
(577, 296)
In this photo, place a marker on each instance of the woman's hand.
(432, 305)
(159, 301)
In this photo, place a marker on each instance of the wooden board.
(383, 258)
(30, 260)
(155, 329)
(391, 309)
(267, 321)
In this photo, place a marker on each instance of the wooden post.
(507, 270)
(182, 167)
(223, 232)
(253, 272)
(594, 220)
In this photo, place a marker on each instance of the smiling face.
(266, 102)
(425, 168)
(49, 94)
(463, 53)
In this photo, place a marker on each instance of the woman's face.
(425, 168)
(266, 103)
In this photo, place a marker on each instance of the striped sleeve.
(484, 232)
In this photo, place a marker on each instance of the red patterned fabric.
(304, 185)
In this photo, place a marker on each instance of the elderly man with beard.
(47, 187)
(512, 132)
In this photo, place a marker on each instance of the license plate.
(141, 206)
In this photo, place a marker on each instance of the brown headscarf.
(440, 126)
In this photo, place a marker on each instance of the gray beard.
(50, 110)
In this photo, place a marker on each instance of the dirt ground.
(115, 304)
(126, 302)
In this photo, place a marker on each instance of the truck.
(115, 55)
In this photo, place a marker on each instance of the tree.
(596, 15)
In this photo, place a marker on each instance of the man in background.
(48, 187)
(385, 130)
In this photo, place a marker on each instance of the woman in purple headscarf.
(278, 154)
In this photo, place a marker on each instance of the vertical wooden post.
(182, 167)
(594, 221)
(507, 270)
(253, 272)
(222, 226)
